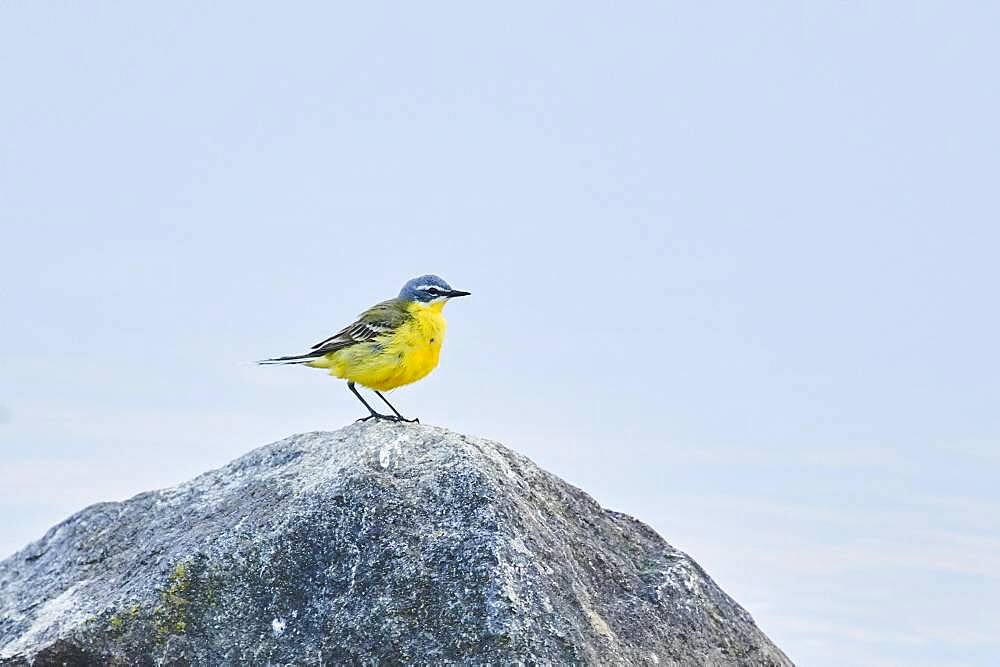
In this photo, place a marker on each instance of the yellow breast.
(395, 359)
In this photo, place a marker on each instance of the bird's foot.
(376, 415)
(389, 418)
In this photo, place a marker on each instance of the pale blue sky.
(734, 270)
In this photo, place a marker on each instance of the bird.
(393, 343)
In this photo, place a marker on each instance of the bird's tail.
(296, 359)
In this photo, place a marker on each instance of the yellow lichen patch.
(170, 615)
(119, 622)
(116, 624)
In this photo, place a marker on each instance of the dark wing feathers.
(380, 319)
(377, 321)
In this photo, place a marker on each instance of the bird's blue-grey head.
(426, 289)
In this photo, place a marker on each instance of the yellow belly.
(395, 359)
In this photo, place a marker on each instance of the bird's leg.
(399, 416)
(376, 415)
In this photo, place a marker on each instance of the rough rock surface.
(377, 543)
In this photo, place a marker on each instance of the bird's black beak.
(455, 292)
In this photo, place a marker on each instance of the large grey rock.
(380, 542)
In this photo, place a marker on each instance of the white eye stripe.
(426, 288)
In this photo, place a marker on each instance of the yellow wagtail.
(393, 343)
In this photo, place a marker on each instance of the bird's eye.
(433, 290)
